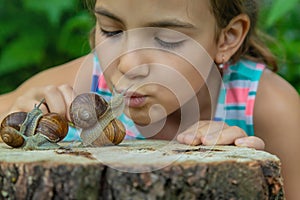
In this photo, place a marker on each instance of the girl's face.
(161, 50)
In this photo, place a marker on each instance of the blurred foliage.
(37, 34)
(281, 20)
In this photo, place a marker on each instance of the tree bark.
(140, 170)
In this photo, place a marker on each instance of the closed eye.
(169, 45)
(111, 33)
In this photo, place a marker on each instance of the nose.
(133, 65)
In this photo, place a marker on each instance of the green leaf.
(74, 36)
(23, 51)
(279, 9)
(53, 9)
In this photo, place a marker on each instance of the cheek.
(190, 73)
(179, 83)
(209, 44)
(107, 54)
(159, 104)
(111, 76)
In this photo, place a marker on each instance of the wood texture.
(140, 170)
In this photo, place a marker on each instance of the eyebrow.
(175, 23)
(171, 23)
(106, 13)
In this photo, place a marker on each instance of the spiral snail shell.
(53, 126)
(95, 116)
(21, 129)
(9, 126)
(14, 120)
(11, 137)
(86, 109)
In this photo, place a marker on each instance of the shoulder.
(76, 73)
(65, 72)
(277, 107)
(59, 75)
(275, 92)
(277, 122)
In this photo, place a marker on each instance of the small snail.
(97, 118)
(33, 130)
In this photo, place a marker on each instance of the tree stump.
(142, 169)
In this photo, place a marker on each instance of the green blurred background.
(38, 34)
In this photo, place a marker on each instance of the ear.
(232, 37)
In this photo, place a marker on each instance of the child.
(161, 52)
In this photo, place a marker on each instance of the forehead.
(139, 12)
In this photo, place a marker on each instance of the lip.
(134, 99)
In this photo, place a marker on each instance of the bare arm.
(55, 85)
(277, 122)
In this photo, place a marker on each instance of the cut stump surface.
(142, 169)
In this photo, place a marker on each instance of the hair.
(253, 48)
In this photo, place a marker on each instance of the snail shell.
(113, 133)
(11, 137)
(14, 120)
(86, 109)
(96, 117)
(53, 126)
(9, 127)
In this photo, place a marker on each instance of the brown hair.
(253, 48)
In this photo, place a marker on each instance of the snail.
(33, 130)
(97, 118)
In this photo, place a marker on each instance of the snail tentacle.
(31, 121)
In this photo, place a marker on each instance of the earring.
(221, 66)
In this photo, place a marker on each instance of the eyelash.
(111, 33)
(166, 45)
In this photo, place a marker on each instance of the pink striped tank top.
(237, 97)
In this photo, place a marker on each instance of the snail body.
(31, 120)
(33, 130)
(103, 127)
